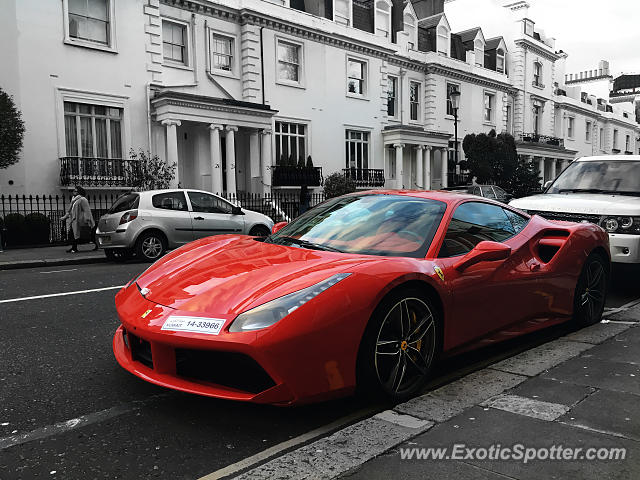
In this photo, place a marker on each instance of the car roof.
(601, 158)
(448, 197)
(168, 190)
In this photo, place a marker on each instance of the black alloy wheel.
(591, 291)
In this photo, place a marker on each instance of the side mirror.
(236, 210)
(483, 252)
(278, 226)
(547, 184)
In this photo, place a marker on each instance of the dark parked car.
(488, 191)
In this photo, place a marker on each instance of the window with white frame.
(289, 62)
(383, 18)
(537, 74)
(221, 48)
(509, 114)
(93, 131)
(587, 130)
(489, 106)
(537, 113)
(414, 101)
(615, 139)
(451, 87)
(90, 21)
(500, 61)
(174, 42)
(291, 141)
(601, 138)
(356, 77)
(478, 48)
(342, 11)
(392, 96)
(443, 40)
(411, 29)
(627, 144)
(356, 149)
(570, 126)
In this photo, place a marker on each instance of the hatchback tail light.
(129, 216)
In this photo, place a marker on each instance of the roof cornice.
(529, 45)
(470, 78)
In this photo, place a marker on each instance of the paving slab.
(537, 360)
(607, 411)
(526, 406)
(483, 427)
(597, 333)
(553, 391)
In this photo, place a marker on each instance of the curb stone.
(19, 264)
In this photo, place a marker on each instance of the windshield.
(606, 176)
(391, 225)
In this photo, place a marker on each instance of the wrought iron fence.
(365, 177)
(100, 172)
(30, 220)
(542, 139)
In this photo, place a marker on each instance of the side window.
(472, 223)
(518, 221)
(170, 201)
(487, 192)
(500, 193)
(203, 202)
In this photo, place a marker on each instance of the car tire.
(117, 254)
(591, 291)
(259, 231)
(399, 346)
(151, 246)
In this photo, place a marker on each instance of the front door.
(171, 212)
(211, 215)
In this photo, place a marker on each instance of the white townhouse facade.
(235, 91)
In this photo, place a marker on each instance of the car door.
(211, 215)
(492, 295)
(171, 213)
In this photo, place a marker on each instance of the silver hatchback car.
(148, 223)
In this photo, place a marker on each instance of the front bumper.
(624, 248)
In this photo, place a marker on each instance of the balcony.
(99, 172)
(541, 139)
(365, 177)
(293, 176)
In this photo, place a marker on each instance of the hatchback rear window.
(125, 202)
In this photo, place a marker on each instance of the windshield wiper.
(308, 244)
(582, 190)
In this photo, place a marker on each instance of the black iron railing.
(293, 176)
(541, 139)
(99, 172)
(365, 177)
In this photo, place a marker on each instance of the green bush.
(337, 184)
(16, 229)
(38, 228)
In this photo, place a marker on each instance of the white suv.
(604, 190)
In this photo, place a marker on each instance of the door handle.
(198, 218)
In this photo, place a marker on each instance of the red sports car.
(363, 291)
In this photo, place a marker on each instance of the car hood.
(229, 274)
(587, 203)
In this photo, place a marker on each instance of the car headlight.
(613, 224)
(271, 312)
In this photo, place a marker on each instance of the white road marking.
(289, 444)
(77, 292)
(59, 271)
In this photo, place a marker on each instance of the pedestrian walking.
(79, 220)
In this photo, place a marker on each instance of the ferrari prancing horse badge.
(439, 271)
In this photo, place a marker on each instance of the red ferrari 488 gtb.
(365, 290)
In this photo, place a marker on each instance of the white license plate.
(211, 326)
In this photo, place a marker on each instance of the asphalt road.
(67, 410)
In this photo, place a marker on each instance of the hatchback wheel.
(399, 346)
(591, 291)
(151, 246)
(259, 231)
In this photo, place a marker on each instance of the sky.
(587, 30)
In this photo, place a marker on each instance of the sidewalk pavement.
(579, 391)
(48, 256)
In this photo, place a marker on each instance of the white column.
(254, 154)
(419, 167)
(172, 148)
(538, 164)
(445, 166)
(266, 162)
(543, 169)
(216, 158)
(231, 159)
(399, 159)
(427, 168)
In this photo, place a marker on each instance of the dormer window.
(342, 12)
(528, 27)
(500, 61)
(411, 30)
(383, 18)
(478, 48)
(443, 40)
